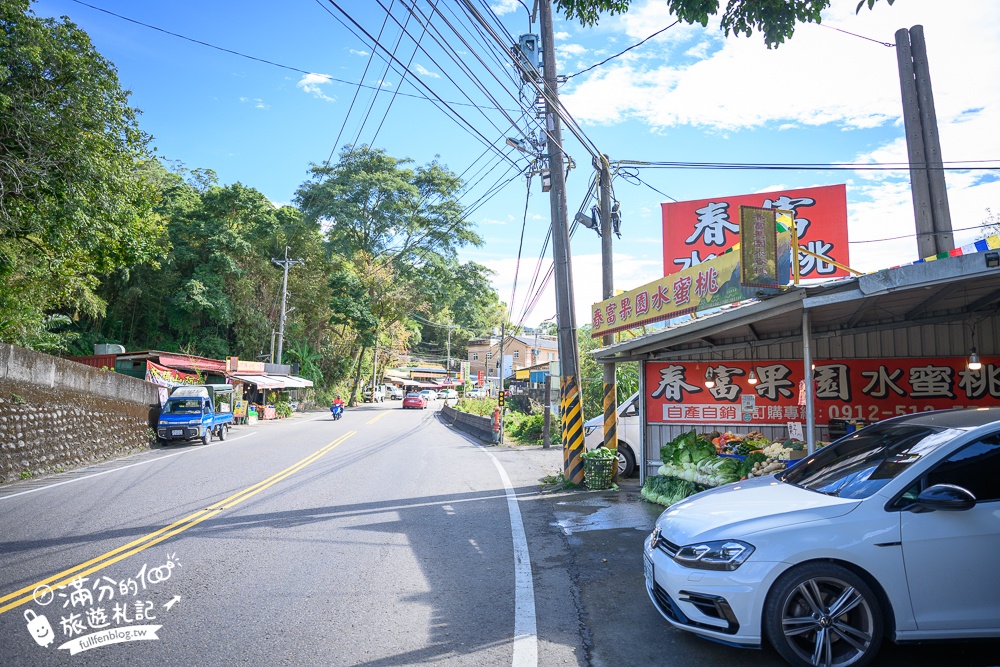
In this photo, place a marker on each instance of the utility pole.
(607, 275)
(570, 406)
(930, 195)
(447, 368)
(284, 264)
(503, 335)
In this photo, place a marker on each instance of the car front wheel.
(823, 615)
(626, 461)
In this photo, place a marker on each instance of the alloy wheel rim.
(827, 622)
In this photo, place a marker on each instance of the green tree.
(775, 19)
(393, 231)
(73, 202)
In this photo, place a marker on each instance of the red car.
(415, 401)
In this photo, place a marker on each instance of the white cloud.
(310, 83)
(504, 7)
(256, 101)
(572, 49)
(818, 77)
(356, 52)
(561, 35)
(423, 71)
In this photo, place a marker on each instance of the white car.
(447, 393)
(478, 393)
(429, 394)
(628, 435)
(892, 532)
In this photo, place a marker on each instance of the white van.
(628, 435)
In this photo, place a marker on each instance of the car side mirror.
(944, 498)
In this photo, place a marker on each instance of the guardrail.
(480, 427)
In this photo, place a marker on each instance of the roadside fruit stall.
(918, 337)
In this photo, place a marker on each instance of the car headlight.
(195, 422)
(587, 430)
(717, 555)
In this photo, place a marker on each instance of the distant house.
(519, 351)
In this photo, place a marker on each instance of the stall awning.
(262, 381)
(292, 381)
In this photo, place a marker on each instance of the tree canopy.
(73, 200)
(100, 242)
(775, 19)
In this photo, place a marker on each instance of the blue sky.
(689, 94)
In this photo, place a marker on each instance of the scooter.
(337, 411)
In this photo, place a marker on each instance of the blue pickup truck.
(196, 412)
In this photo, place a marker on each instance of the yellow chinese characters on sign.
(711, 284)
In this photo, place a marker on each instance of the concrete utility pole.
(607, 274)
(930, 195)
(284, 264)
(570, 406)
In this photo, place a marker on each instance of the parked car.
(415, 401)
(373, 395)
(394, 393)
(628, 435)
(429, 394)
(891, 532)
(447, 393)
(479, 392)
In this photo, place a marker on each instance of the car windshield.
(859, 465)
(190, 406)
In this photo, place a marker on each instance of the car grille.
(667, 547)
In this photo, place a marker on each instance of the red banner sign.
(868, 389)
(696, 231)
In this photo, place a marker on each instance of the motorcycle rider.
(337, 405)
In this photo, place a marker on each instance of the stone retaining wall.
(57, 414)
(480, 427)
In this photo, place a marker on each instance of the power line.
(853, 34)
(465, 124)
(832, 166)
(609, 58)
(357, 91)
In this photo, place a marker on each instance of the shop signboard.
(709, 285)
(237, 365)
(697, 231)
(169, 377)
(864, 389)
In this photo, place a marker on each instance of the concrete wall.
(57, 414)
(480, 427)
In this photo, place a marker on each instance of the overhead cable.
(610, 58)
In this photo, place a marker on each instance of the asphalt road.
(380, 539)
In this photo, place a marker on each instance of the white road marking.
(525, 630)
(131, 465)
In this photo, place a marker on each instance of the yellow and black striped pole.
(572, 429)
(611, 414)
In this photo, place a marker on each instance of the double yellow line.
(26, 594)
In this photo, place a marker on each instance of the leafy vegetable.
(601, 453)
(667, 490)
(710, 472)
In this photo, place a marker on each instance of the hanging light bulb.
(974, 363)
(753, 377)
(709, 378)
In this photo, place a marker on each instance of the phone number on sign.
(875, 412)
